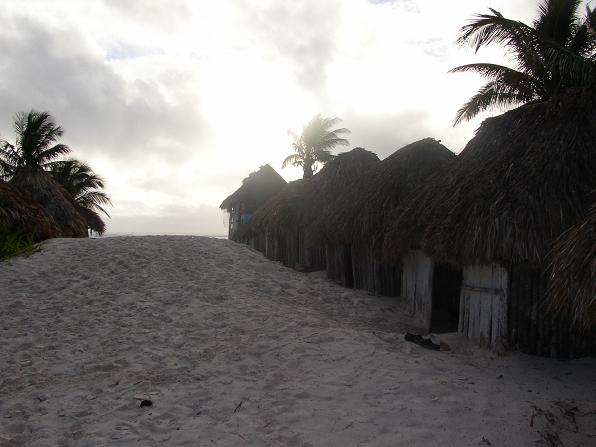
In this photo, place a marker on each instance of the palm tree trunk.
(307, 169)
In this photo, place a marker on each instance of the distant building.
(256, 189)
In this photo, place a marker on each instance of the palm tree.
(35, 145)
(556, 53)
(81, 183)
(315, 143)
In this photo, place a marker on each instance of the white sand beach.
(235, 350)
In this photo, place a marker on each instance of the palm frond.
(486, 29)
(35, 136)
(94, 200)
(571, 70)
(524, 83)
(584, 40)
(555, 54)
(557, 20)
(315, 142)
(491, 95)
(79, 180)
(294, 160)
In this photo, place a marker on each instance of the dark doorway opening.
(348, 272)
(445, 301)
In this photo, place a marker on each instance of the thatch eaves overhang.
(93, 220)
(572, 281)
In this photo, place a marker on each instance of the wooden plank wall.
(483, 305)
(334, 255)
(373, 275)
(292, 250)
(535, 330)
(416, 285)
(316, 257)
(362, 265)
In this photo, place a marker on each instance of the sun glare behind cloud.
(175, 103)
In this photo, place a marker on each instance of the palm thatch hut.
(256, 189)
(289, 219)
(94, 222)
(572, 285)
(29, 218)
(277, 224)
(359, 220)
(526, 177)
(38, 187)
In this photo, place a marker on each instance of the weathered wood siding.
(317, 257)
(373, 275)
(535, 330)
(483, 305)
(257, 241)
(337, 268)
(416, 285)
(292, 250)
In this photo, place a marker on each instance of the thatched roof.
(94, 222)
(523, 179)
(363, 212)
(255, 190)
(39, 187)
(18, 215)
(301, 202)
(572, 288)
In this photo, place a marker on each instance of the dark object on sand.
(146, 403)
(424, 342)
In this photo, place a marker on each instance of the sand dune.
(232, 349)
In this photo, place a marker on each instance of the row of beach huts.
(471, 243)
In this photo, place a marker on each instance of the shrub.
(15, 243)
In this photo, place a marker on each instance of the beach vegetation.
(68, 190)
(84, 185)
(314, 145)
(15, 243)
(36, 144)
(556, 52)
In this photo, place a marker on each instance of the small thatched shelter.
(28, 218)
(289, 220)
(526, 177)
(572, 285)
(94, 222)
(359, 219)
(39, 188)
(256, 189)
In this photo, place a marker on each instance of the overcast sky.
(175, 102)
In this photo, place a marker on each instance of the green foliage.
(315, 143)
(81, 183)
(556, 53)
(15, 243)
(34, 148)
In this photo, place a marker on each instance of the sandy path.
(236, 350)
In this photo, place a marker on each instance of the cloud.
(304, 33)
(174, 103)
(160, 16)
(202, 220)
(56, 69)
(384, 133)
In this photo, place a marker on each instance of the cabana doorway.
(445, 298)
